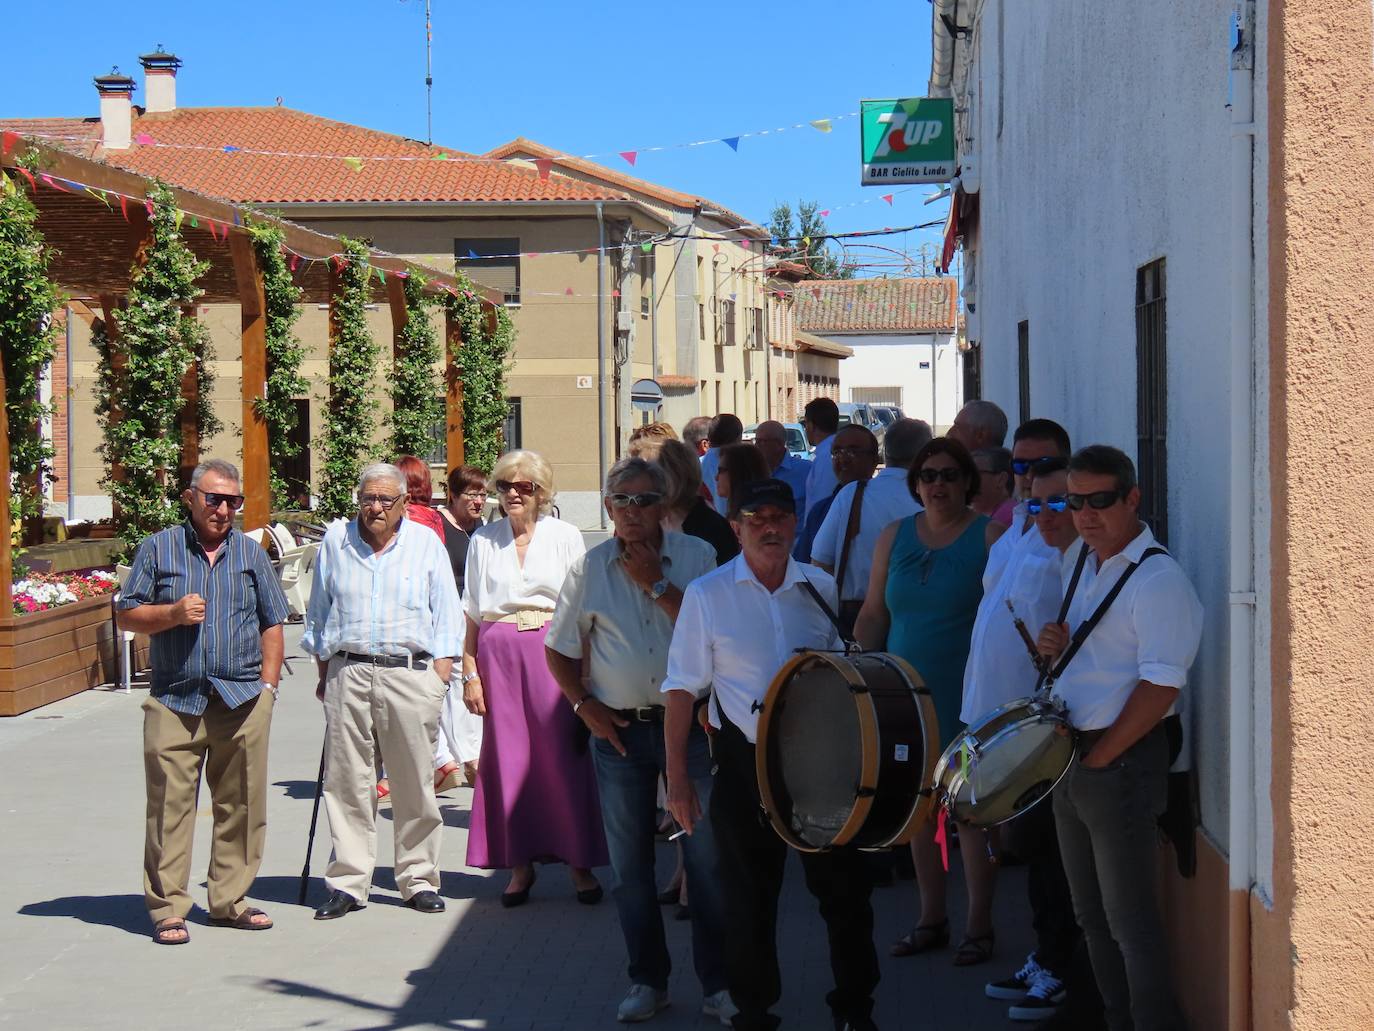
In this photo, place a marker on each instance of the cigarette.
(675, 836)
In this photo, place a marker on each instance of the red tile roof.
(292, 177)
(876, 305)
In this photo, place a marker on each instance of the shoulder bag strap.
(850, 532)
(1081, 634)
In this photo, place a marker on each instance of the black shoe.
(339, 903)
(511, 899)
(591, 896)
(426, 902)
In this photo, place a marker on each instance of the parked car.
(796, 439)
(867, 416)
(894, 413)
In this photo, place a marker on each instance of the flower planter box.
(46, 656)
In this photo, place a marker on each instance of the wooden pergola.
(94, 216)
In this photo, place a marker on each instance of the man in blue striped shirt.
(384, 625)
(210, 600)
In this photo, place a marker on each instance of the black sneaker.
(1014, 988)
(1041, 1000)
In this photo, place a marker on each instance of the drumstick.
(1036, 657)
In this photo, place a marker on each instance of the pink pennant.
(615, 293)
(630, 156)
(149, 205)
(47, 179)
(715, 247)
(887, 197)
(295, 260)
(545, 166)
(941, 838)
(825, 214)
(144, 140)
(568, 292)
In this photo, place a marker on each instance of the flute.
(1036, 657)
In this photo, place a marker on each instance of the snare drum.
(1006, 762)
(846, 748)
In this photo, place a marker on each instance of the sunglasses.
(1098, 499)
(214, 500)
(952, 474)
(519, 486)
(1055, 503)
(387, 501)
(646, 500)
(1021, 466)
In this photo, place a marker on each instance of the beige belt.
(524, 619)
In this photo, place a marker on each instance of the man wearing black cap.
(737, 627)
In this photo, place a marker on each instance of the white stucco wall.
(881, 360)
(1111, 150)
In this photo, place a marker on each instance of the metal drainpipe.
(601, 353)
(67, 407)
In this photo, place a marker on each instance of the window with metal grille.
(1023, 370)
(1152, 399)
(876, 395)
(646, 282)
(491, 261)
(727, 320)
(437, 454)
(973, 374)
(511, 429)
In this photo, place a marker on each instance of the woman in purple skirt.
(536, 791)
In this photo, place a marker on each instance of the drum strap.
(851, 531)
(1088, 625)
(829, 612)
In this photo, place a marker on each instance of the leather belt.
(643, 714)
(1087, 738)
(389, 661)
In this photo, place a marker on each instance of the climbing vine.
(284, 353)
(139, 375)
(347, 435)
(483, 362)
(416, 404)
(28, 299)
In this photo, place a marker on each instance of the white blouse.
(496, 584)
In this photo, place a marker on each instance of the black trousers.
(752, 859)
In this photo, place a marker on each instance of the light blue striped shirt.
(401, 601)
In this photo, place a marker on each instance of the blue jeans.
(628, 785)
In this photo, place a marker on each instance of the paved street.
(75, 952)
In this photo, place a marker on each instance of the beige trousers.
(372, 708)
(231, 744)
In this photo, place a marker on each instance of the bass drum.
(1006, 762)
(846, 750)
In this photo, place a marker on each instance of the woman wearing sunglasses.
(923, 596)
(536, 792)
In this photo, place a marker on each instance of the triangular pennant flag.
(568, 292)
(473, 255)
(124, 208)
(180, 215)
(630, 156)
(401, 275)
(354, 163)
(825, 213)
(615, 293)
(29, 176)
(647, 246)
(47, 179)
(7, 185)
(144, 140)
(816, 292)
(441, 156)
(229, 148)
(8, 140)
(195, 223)
(545, 166)
(887, 197)
(715, 248)
(149, 205)
(732, 142)
(295, 260)
(381, 276)
(823, 124)
(773, 240)
(806, 241)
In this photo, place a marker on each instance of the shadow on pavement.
(297, 789)
(122, 912)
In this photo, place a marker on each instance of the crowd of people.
(598, 698)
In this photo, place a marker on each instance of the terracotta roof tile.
(876, 305)
(289, 178)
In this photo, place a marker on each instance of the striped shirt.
(242, 599)
(398, 602)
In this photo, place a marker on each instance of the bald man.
(771, 438)
(980, 424)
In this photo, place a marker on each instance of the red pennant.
(295, 260)
(568, 292)
(8, 140)
(29, 176)
(630, 156)
(124, 207)
(615, 293)
(941, 838)
(715, 247)
(545, 166)
(887, 197)
(149, 205)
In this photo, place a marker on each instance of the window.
(437, 454)
(511, 430)
(1023, 370)
(296, 469)
(1152, 399)
(727, 324)
(496, 263)
(760, 341)
(973, 373)
(646, 283)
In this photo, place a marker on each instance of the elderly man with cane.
(384, 626)
(209, 599)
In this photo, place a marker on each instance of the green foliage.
(347, 435)
(139, 376)
(803, 240)
(28, 299)
(284, 352)
(416, 404)
(482, 363)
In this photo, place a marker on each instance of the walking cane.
(314, 817)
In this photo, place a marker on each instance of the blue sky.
(585, 78)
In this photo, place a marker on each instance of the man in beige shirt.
(622, 599)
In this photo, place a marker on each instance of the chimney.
(116, 109)
(159, 80)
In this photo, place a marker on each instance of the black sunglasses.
(519, 486)
(1021, 466)
(1097, 499)
(1055, 503)
(951, 474)
(645, 500)
(214, 500)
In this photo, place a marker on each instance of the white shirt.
(710, 465)
(821, 481)
(886, 499)
(497, 585)
(627, 633)
(1002, 548)
(733, 635)
(1151, 632)
(999, 667)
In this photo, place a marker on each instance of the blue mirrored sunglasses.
(1055, 503)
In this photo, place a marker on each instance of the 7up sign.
(907, 141)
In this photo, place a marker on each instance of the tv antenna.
(429, 79)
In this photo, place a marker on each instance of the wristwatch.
(273, 688)
(659, 589)
(468, 678)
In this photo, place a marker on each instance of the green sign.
(907, 141)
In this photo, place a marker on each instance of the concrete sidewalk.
(75, 951)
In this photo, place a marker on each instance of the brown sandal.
(974, 949)
(923, 938)
(243, 922)
(165, 928)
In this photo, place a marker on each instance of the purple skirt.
(536, 788)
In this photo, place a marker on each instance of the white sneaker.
(1042, 999)
(641, 1003)
(719, 1005)
(1016, 986)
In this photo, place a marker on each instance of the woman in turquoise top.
(922, 598)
